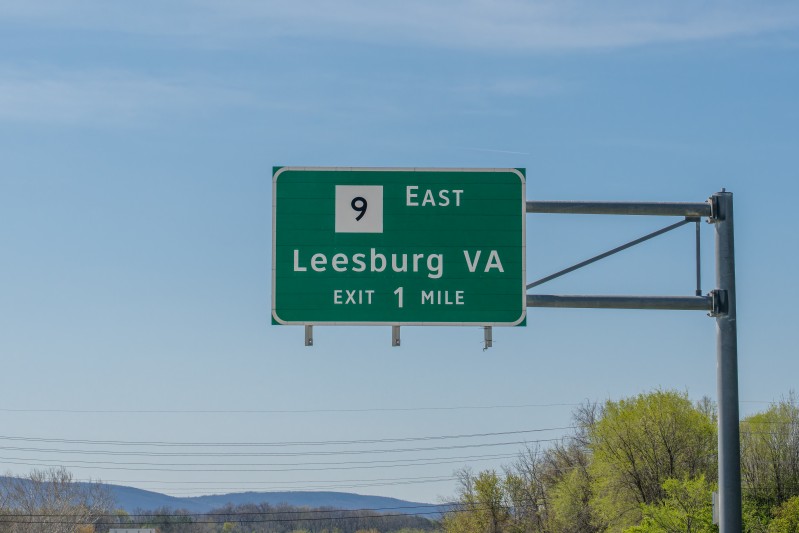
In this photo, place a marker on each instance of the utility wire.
(270, 444)
(270, 454)
(252, 483)
(315, 469)
(233, 519)
(272, 511)
(272, 485)
(313, 411)
(190, 493)
(289, 411)
(390, 461)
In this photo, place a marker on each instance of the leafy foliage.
(786, 517)
(641, 442)
(687, 507)
(645, 464)
(482, 504)
(770, 455)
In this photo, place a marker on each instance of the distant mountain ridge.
(131, 499)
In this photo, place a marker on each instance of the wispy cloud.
(492, 151)
(46, 94)
(484, 24)
(99, 97)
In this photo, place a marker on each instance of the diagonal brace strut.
(611, 252)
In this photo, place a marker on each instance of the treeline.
(266, 518)
(646, 464)
(50, 501)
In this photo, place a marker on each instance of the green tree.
(755, 518)
(526, 484)
(638, 444)
(462, 518)
(770, 455)
(686, 508)
(571, 512)
(786, 517)
(493, 512)
(482, 505)
(569, 480)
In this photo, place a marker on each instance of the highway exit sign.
(398, 246)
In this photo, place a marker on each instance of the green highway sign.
(398, 246)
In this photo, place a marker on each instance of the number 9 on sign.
(359, 204)
(359, 208)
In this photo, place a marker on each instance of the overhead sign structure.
(398, 246)
(446, 247)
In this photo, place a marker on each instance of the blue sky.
(137, 143)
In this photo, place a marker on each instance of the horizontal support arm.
(675, 303)
(677, 209)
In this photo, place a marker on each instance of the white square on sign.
(359, 209)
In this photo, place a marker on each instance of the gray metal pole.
(727, 369)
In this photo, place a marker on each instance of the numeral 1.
(398, 292)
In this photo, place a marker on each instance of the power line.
(252, 483)
(271, 485)
(314, 469)
(233, 519)
(314, 411)
(246, 517)
(410, 462)
(274, 444)
(270, 454)
(289, 411)
(199, 486)
(312, 488)
(272, 511)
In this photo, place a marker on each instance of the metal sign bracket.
(308, 335)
